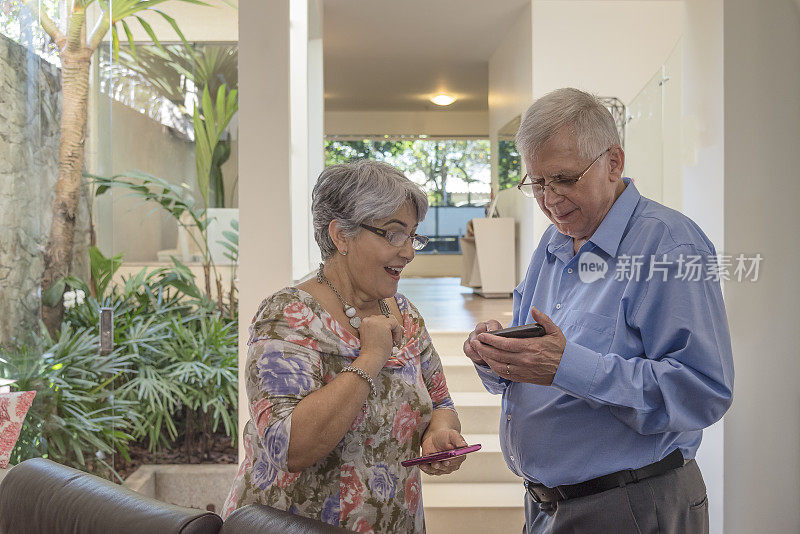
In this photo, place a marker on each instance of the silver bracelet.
(363, 374)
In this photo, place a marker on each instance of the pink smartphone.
(439, 456)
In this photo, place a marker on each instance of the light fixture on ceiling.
(443, 99)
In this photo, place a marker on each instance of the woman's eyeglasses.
(562, 186)
(398, 239)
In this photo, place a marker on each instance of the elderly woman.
(342, 377)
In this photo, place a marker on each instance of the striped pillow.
(13, 407)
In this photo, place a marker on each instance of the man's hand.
(533, 360)
(480, 328)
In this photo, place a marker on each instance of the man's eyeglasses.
(398, 239)
(562, 186)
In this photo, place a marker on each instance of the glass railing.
(444, 225)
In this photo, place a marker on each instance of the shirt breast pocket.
(591, 330)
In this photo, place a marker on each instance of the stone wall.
(30, 109)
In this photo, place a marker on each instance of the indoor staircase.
(484, 496)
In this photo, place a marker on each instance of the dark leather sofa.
(42, 497)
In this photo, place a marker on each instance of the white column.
(280, 151)
(762, 188)
(265, 221)
(307, 112)
(316, 115)
(298, 98)
(741, 131)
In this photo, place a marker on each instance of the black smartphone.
(520, 332)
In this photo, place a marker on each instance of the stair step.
(479, 412)
(476, 398)
(474, 520)
(460, 374)
(485, 465)
(449, 343)
(479, 508)
(473, 495)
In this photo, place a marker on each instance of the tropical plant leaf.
(52, 296)
(129, 35)
(115, 41)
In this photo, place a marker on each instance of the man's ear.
(616, 162)
(337, 235)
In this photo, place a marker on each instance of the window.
(165, 84)
(455, 173)
(19, 24)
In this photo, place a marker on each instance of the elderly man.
(602, 415)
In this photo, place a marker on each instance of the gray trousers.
(672, 503)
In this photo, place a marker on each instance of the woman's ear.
(337, 235)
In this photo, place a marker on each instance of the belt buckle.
(532, 493)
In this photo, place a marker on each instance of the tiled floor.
(447, 306)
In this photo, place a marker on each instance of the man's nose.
(550, 198)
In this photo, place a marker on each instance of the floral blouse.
(295, 348)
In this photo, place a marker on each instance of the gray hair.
(358, 192)
(590, 121)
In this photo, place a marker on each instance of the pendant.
(355, 322)
(350, 312)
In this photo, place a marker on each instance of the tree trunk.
(206, 446)
(58, 254)
(187, 438)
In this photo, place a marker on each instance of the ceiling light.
(443, 100)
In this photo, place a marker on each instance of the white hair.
(360, 192)
(588, 119)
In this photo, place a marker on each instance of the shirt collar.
(608, 235)
(557, 246)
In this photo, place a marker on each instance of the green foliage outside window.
(434, 161)
(509, 164)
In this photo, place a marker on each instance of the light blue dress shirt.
(648, 363)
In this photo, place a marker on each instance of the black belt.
(542, 494)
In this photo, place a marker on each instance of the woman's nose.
(407, 250)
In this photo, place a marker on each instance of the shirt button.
(511, 458)
(569, 271)
(558, 306)
(508, 417)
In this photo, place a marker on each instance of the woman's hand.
(444, 439)
(377, 334)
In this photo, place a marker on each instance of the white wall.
(606, 47)
(459, 123)
(120, 140)
(611, 48)
(124, 141)
(703, 185)
(510, 94)
(217, 22)
(762, 135)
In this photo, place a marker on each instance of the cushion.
(13, 407)
(263, 519)
(39, 496)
